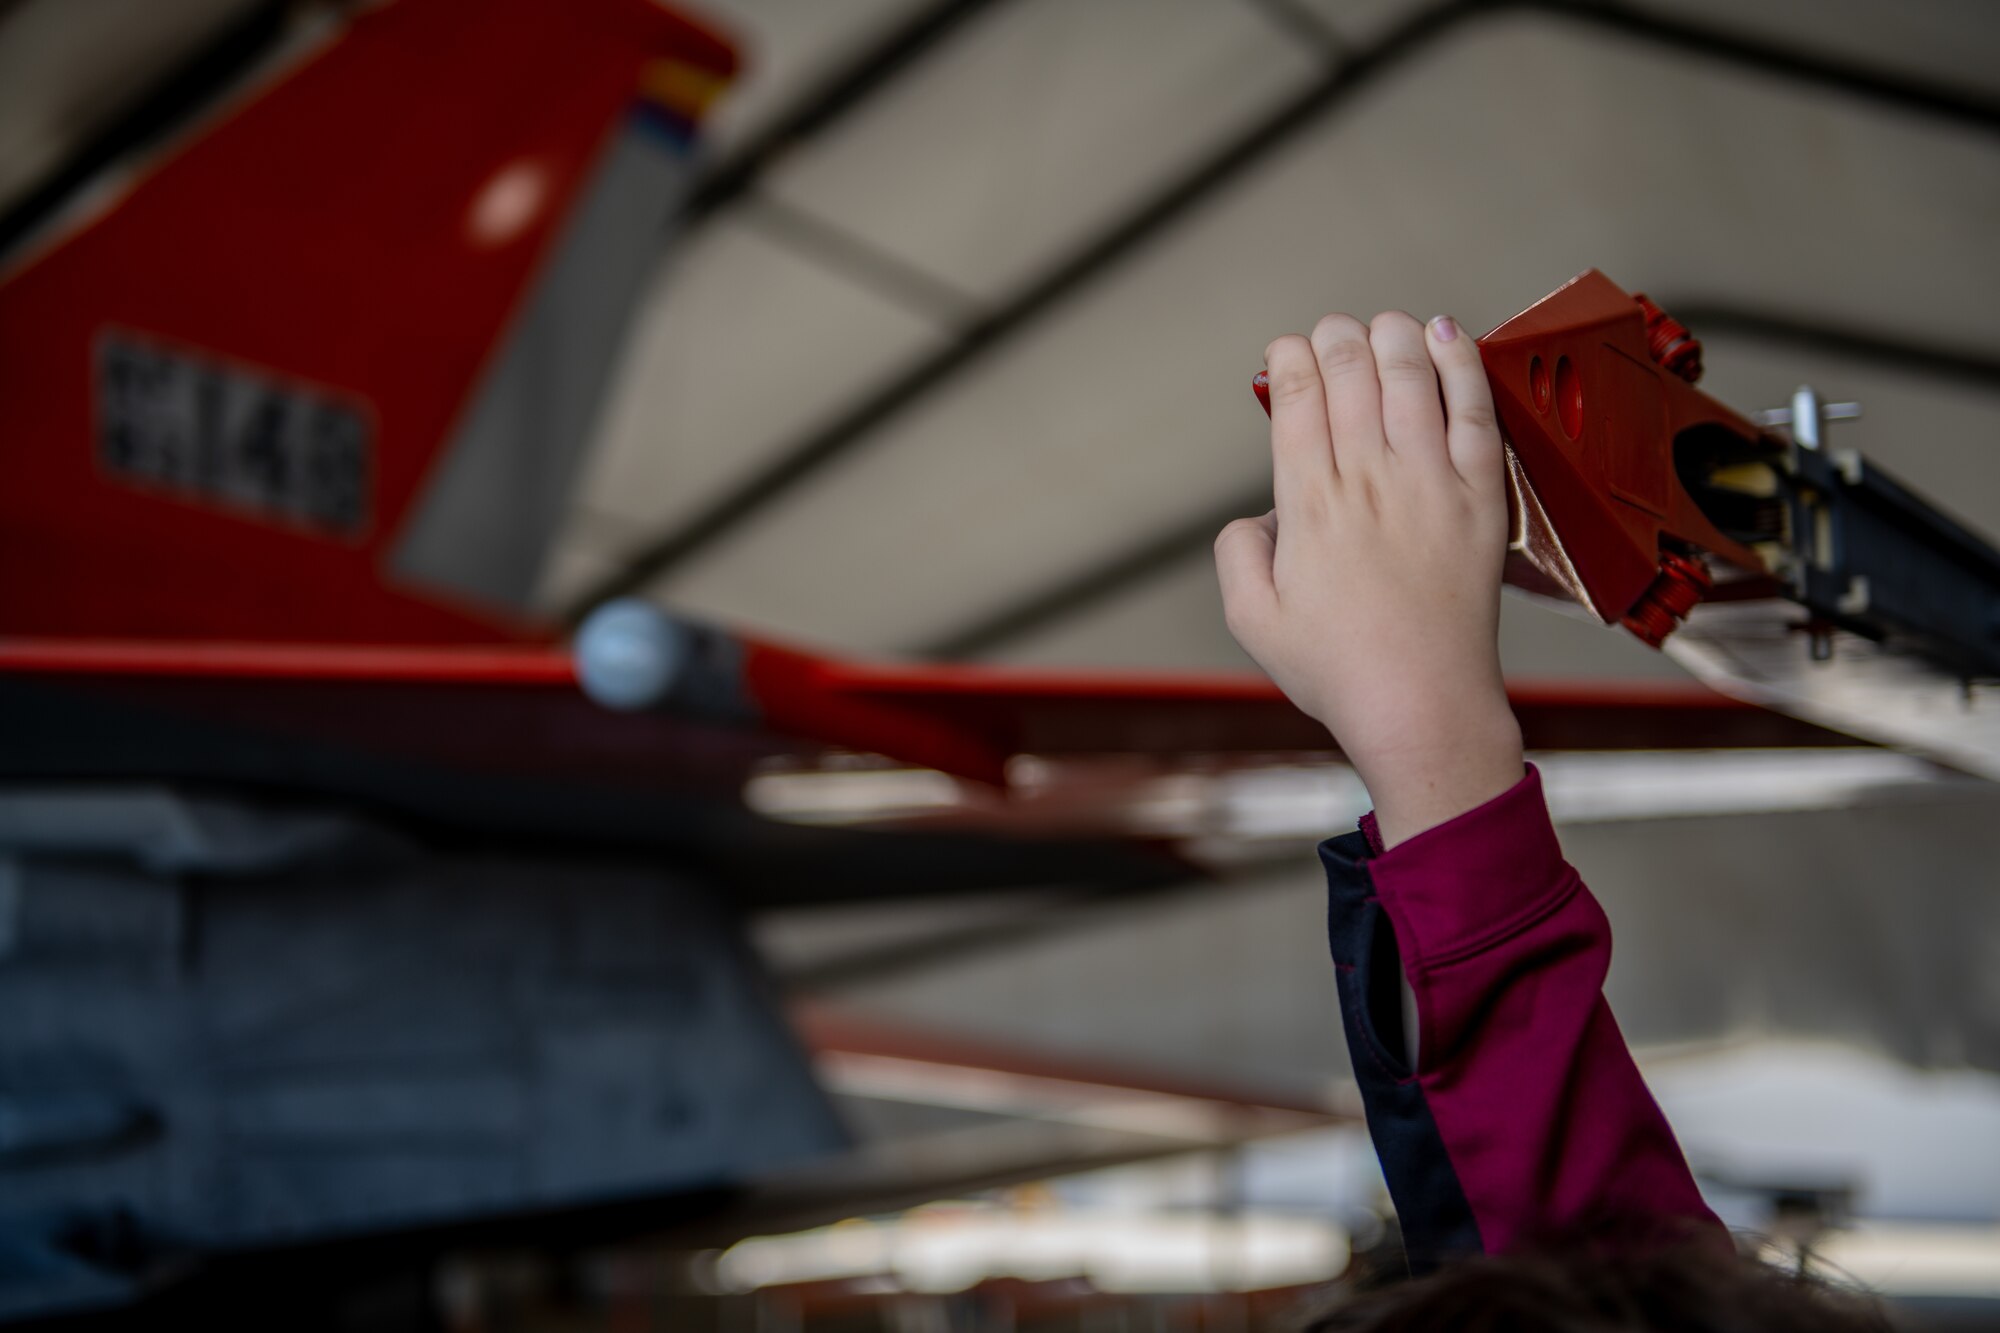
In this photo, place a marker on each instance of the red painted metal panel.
(320, 235)
(1593, 387)
(1592, 413)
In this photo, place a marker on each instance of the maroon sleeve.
(1525, 1117)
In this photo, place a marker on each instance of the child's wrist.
(1432, 778)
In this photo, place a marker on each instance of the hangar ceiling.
(998, 308)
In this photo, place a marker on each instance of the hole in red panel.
(1569, 398)
(1538, 384)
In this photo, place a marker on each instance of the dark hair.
(1596, 1289)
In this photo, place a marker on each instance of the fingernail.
(1445, 328)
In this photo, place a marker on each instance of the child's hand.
(1371, 593)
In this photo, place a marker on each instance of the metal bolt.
(1782, 416)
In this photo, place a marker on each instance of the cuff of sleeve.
(1453, 886)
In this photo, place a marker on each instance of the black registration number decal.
(219, 432)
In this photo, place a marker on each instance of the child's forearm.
(1524, 1117)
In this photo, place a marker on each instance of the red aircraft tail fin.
(323, 370)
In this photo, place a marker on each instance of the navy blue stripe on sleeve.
(1431, 1206)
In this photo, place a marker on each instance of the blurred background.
(943, 354)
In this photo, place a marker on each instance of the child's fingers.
(1244, 552)
(1353, 394)
(1412, 415)
(1301, 452)
(1472, 432)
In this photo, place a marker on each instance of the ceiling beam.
(832, 98)
(155, 113)
(1414, 35)
(1136, 564)
(1968, 366)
